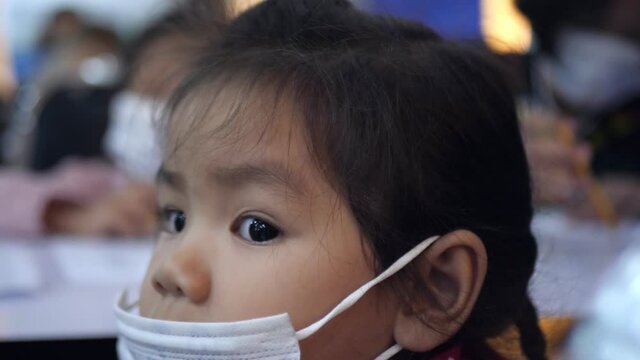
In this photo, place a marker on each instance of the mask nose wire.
(361, 291)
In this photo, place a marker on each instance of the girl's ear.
(453, 269)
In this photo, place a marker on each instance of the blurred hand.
(561, 176)
(129, 211)
(554, 171)
(554, 157)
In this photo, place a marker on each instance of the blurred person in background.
(161, 57)
(587, 56)
(7, 86)
(94, 198)
(75, 112)
(63, 26)
(158, 61)
(38, 71)
(585, 70)
(63, 110)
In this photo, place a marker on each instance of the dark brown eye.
(257, 230)
(173, 221)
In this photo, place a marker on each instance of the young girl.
(340, 186)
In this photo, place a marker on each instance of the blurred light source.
(102, 70)
(504, 28)
(238, 6)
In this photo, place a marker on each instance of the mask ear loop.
(124, 301)
(387, 354)
(360, 292)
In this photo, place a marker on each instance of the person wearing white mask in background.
(586, 57)
(160, 58)
(157, 62)
(90, 198)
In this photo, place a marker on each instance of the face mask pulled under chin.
(268, 338)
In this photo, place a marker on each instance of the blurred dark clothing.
(72, 123)
(517, 69)
(613, 134)
(4, 122)
(615, 139)
(547, 17)
(5, 109)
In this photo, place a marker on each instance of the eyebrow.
(266, 174)
(171, 178)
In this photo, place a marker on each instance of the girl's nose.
(184, 273)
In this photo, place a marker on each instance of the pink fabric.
(24, 195)
(459, 353)
(454, 353)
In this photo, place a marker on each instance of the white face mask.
(264, 338)
(591, 71)
(132, 140)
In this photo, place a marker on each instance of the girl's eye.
(257, 230)
(173, 221)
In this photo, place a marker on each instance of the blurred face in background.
(161, 65)
(64, 25)
(132, 138)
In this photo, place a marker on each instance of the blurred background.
(83, 84)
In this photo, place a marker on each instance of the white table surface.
(78, 282)
(65, 288)
(572, 258)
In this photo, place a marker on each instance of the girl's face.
(251, 228)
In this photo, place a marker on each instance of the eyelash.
(246, 227)
(251, 228)
(168, 214)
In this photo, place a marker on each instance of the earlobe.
(453, 271)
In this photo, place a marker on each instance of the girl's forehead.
(236, 124)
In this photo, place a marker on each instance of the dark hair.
(202, 21)
(418, 135)
(548, 16)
